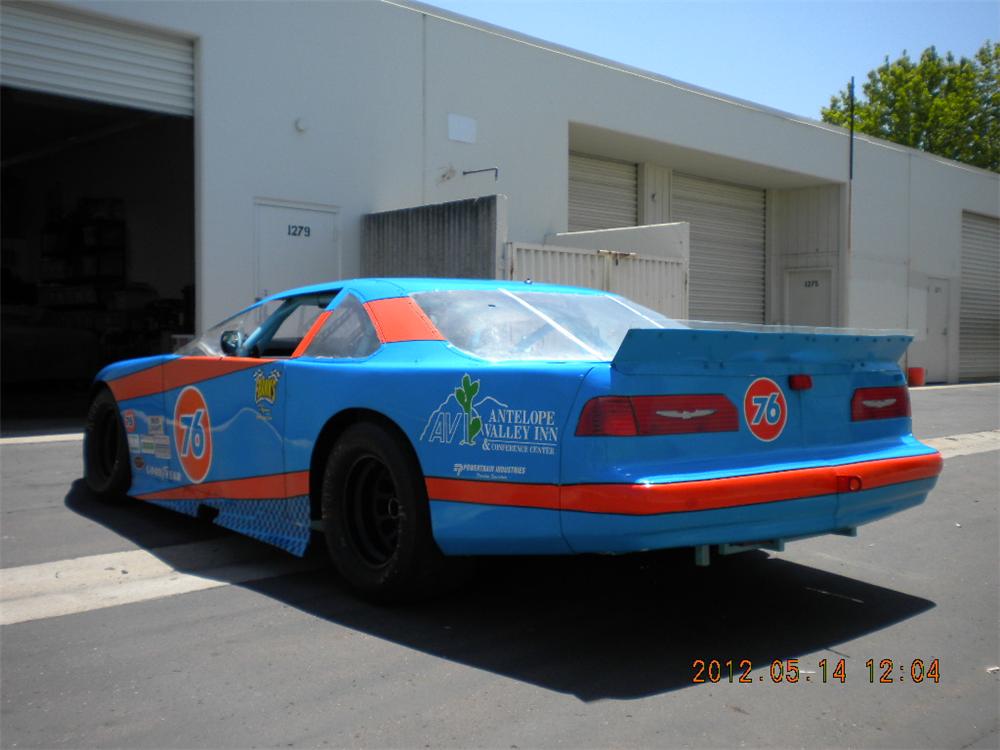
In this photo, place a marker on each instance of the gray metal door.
(727, 247)
(58, 51)
(979, 315)
(603, 193)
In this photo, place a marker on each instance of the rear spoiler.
(654, 350)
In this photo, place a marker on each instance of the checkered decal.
(282, 522)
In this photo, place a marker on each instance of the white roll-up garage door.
(57, 51)
(979, 315)
(602, 193)
(727, 247)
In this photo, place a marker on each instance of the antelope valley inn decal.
(467, 418)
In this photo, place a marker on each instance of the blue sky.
(788, 55)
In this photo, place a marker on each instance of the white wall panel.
(805, 233)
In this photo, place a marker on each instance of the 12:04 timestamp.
(883, 672)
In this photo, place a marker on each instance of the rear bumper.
(750, 489)
(784, 519)
(471, 517)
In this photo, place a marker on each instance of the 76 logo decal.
(193, 434)
(765, 409)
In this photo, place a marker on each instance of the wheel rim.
(108, 442)
(372, 512)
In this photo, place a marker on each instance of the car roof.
(383, 288)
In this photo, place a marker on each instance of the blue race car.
(414, 419)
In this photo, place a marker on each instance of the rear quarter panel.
(469, 421)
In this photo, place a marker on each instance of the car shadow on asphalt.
(590, 626)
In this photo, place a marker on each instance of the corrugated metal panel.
(602, 193)
(557, 265)
(979, 316)
(50, 49)
(457, 240)
(659, 283)
(727, 247)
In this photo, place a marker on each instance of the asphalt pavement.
(130, 626)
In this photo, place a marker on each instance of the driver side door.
(227, 412)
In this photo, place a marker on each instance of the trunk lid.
(776, 426)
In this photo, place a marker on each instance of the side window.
(347, 333)
(269, 329)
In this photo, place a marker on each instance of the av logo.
(193, 434)
(765, 409)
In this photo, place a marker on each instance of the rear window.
(347, 333)
(501, 324)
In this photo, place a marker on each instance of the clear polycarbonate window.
(347, 333)
(519, 325)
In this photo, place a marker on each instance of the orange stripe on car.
(494, 493)
(401, 319)
(178, 373)
(269, 487)
(705, 494)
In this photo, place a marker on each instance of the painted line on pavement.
(35, 592)
(67, 437)
(952, 386)
(966, 444)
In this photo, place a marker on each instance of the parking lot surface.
(130, 626)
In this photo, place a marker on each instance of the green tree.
(938, 104)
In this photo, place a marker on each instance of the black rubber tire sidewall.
(416, 558)
(109, 486)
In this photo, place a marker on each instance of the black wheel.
(376, 517)
(105, 450)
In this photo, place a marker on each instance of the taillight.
(607, 415)
(619, 416)
(800, 382)
(880, 403)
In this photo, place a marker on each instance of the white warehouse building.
(167, 162)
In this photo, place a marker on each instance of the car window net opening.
(517, 325)
(269, 329)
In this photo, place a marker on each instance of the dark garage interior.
(97, 247)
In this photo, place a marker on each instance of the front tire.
(376, 517)
(105, 450)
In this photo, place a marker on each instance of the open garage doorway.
(97, 247)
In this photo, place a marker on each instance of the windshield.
(501, 324)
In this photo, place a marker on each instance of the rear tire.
(376, 517)
(105, 450)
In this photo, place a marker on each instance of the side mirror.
(231, 342)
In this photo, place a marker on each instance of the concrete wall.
(375, 84)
